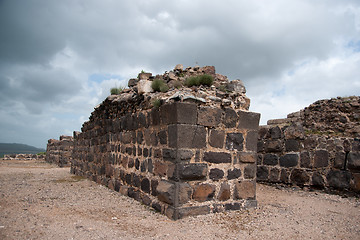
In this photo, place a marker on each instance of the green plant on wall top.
(116, 90)
(205, 80)
(158, 85)
(156, 103)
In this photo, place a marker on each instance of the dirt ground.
(41, 201)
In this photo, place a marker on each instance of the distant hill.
(10, 148)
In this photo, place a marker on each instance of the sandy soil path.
(41, 201)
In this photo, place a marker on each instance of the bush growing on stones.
(159, 86)
(205, 80)
(156, 103)
(114, 91)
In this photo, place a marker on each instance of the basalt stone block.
(247, 157)
(150, 165)
(273, 146)
(160, 168)
(225, 192)
(136, 182)
(248, 120)
(305, 159)
(180, 112)
(284, 176)
(321, 158)
(142, 121)
(139, 137)
(232, 206)
(275, 132)
(154, 184)
(355, 185)
(156, 206)
(209, 116)
(193, 211)
(143, 166)
(145, 185)
(131, 163)
(299, 177)
(193, 171)
(289, 160)
(155, 116)
(128, 179)
(245, 190)
(338, 179)
(217, 138)
(249, 171)
(317, 180)
(163, 137)
(166, 192)
(137, 164)
(274, 175)
(126, 137)
(233, 173)
(252, 141)
(185, 192)
(292, 145)
(354, 160)
(234, 141)
(216, 174)
(187, 136)
(204, 192)
(339, 160)
(231, 118)
(217, 157)
(271, 159)
(262, 173)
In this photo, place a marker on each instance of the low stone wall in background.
(60, 151)
(286, 154)
(23, 156)
(182, 158)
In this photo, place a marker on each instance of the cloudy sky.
(58, 59)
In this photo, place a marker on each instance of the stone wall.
(23, 156)
(317, 147)
(182, 158)
(60, 151)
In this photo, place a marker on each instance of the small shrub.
(192, 81)
(156, 103)
(164, 88)
(114, 91)
(206, 80)
(159, 86)
(177, 84)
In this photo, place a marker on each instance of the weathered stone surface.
(145, 185)
(321, 158)
(250, 171)
(166, 192)
(216, 138)
(163, 137)
(160, 168)
(204, 192)
(185, 192)
(180, 112)
(292, 145)
(144, 86)
(354, 160)
(187, 136)
(305, 159)
(284, 176)
(248, 120)
(317, 180)
(289, 160)
(273, 146)
(252, 141)
(230, 118)
(271, 159)
(216, 174)
(274, 175)
(193, 171)
(299, 177)
(338, 179)
(217, 157)
(193, 211)
(262, 173)
(275, 132)
(355, 185)
(233, 173)
(208, 116)
(234, 141)
(224, 193)
(245, 190)
(247, 157)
